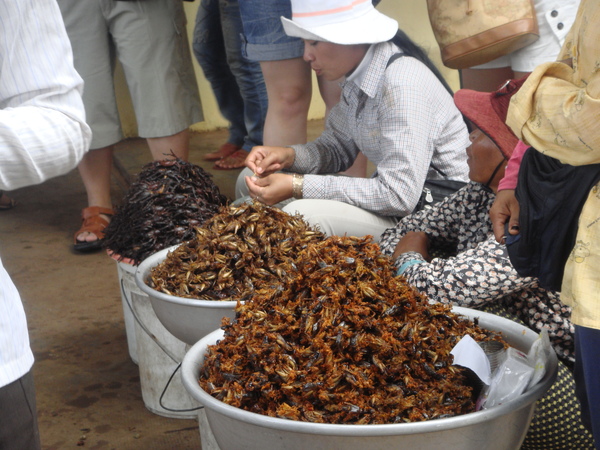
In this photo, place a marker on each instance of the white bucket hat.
(343, 22)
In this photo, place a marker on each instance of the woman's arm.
(333, 151)
(471, 279)
(398, 129)
(441, 223)
(42, 121)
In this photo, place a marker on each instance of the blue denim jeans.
(237, 82)
(587, 377)
(264, 36)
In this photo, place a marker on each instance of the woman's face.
(333, 61)
(483, 157)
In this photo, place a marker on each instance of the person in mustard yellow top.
(557, 112)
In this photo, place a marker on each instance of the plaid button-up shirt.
(403, 120)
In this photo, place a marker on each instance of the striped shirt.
(42, 134)
(403, 120)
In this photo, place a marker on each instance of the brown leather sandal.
(224, 151)
(94, 223)
(234, 161)
(6, 202)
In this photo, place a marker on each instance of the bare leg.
(179, 143)
(95, 169)
(289, 91)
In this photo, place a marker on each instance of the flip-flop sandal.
(224, 151)
(233, 161)
(94, 223)
(6, 206)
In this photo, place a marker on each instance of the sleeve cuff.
(406, 265)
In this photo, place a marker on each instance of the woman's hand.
(271, 189)
(505, 209)
(413, 241)
(264, 161)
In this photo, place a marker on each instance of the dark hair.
(409, 48)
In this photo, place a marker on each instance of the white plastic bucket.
(127, 285)
(207, 437)
(159, 357)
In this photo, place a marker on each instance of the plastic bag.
(517, 372)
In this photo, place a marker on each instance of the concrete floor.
(88, 388)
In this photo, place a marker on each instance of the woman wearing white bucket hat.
(397, 111)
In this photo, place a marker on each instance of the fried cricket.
(344, 341)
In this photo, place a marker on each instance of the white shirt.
(42, 134)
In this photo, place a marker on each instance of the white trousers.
(331, 217)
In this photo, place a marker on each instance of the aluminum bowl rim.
(143, 270)
(153, 260)
(191, 365)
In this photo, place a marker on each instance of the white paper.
(468, 353)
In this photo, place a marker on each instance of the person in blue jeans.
(236, 81)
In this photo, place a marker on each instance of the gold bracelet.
(297, 184)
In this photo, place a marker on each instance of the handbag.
(434, 191)
(473, 32)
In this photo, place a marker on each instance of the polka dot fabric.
(475, 270)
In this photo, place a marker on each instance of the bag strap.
(393, 58)
(441, 172)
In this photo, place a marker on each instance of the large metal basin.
(188, 320)
(501, 427)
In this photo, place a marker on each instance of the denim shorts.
(264, 37)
